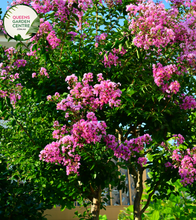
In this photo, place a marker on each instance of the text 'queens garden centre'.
(21, 21)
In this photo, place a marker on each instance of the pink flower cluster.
(142, 161)
(185, 161)
(129, 148)
(86, 98)
(45, 28)
(188, 102)
(20, 63)
(164, 73)
(168, 164)
(10, 52)
(112, 58)
(61, 10)
(179, 139)
(7, 77)
(186, 36)
(152, 25)
(43, 72)
(54, 97)
(100, 38)
(3, 93)
(91, 131)
(13, 94)
(53, 154)
(82, 94)
(43, 6)
(64, 150)
(73, 34)
(112, 3)
(16, 2)
(53, 40)
(15, 76)
(1, 24)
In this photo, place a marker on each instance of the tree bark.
(95, 207)
(139, 191)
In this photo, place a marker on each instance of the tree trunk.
(139, 191)
(95, 207)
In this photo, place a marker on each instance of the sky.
(3, 6)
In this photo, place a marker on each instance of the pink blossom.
(33, 75)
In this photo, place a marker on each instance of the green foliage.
(19, 199)
(179, 205)
(103, 217)
(126, 214)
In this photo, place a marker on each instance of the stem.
(131, 56)
(64, 38)
(62, 46)
(166, 106)
(24, 45)
(60, 68)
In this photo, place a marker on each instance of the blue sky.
(3, 6)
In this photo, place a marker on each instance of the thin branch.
(166, 106)
(25, 131)
(62, 46)
(24, 45)
(60, 69)
(149, 197)
(130, 57)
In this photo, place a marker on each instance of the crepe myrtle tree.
(102, 85)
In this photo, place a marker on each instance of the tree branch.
(149, 197)
(134, 173)
(24, 130)
(119, 130)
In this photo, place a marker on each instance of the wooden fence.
(118, 201)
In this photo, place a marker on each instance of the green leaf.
(1, 104)
(120, 47)
(155, 215)
(18, 37)
(92, 166)
(63, 207)
(130, 208)
(13, 123)
(160, 97)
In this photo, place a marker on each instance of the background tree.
(20, 199)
